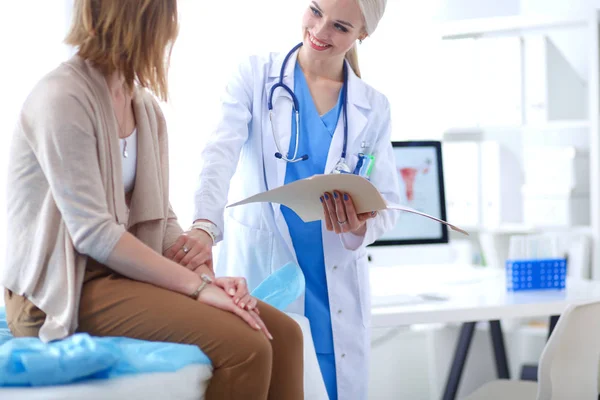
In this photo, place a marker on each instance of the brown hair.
(129, 36)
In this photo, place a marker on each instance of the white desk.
(474, 294)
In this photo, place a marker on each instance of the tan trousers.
(246, 364)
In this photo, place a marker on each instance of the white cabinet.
(525, 84)
(499, 67)
(501, 180)
(462, 177)
(556, 192)
(553, 89)
(512, 81)
(557, 209)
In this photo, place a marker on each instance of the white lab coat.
(256, 237)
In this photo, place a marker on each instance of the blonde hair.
(372, 11)
(131, 37)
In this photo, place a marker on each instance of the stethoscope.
(341, 166)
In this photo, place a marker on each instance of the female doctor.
(286, 117)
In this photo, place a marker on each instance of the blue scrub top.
(316, 133)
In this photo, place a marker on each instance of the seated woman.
(89, 217)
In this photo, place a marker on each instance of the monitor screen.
(420, 175)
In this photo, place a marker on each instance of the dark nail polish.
(326, 196)
(335, 195)
(346, 196)
(320, 198)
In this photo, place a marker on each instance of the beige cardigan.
(66, 198)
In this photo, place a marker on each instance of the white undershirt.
(130, 162)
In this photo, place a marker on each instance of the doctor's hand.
(215, 296)
(341, 216)
(238, 290)
(192, 249)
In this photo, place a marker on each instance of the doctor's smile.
(317, 44)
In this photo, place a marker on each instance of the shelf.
(556, 125)
(476, 133)
(553, 77)
(521, 229)
(506, 26)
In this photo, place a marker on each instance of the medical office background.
(492, 110)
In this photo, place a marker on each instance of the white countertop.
(471, 294)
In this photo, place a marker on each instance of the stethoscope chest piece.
(341, 167)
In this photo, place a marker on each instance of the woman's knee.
(292, 332)
(249, 348)
(259, 347)
(288, 333)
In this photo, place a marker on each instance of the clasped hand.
(193, 250)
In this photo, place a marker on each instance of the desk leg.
(529, 371)
(499, 350)
(458, 362)
(553, 321)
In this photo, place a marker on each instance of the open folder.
(303, 197)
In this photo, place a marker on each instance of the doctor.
(286, 117)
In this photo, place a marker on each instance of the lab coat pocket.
(248, 252)
(364, 288)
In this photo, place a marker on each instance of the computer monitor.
(421, 179)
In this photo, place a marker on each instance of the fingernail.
(270, 337)
(231, 292)
(257, 327)
(326, 196)
(335, 195)
(236, 301)
(243, 305)
(321, 198)
(346, 196)
(372, 212)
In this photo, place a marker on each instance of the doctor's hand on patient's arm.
(192, 250)
(341, 216)
(215, 296)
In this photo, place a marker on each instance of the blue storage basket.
(542, 274)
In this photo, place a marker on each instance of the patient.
(89, 217)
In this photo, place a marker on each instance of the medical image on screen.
(408, 175)
(419, 180)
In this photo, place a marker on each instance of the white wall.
(30, 45)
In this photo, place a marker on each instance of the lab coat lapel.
(358, 109)
(275, 168)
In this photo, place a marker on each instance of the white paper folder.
(303, 196)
